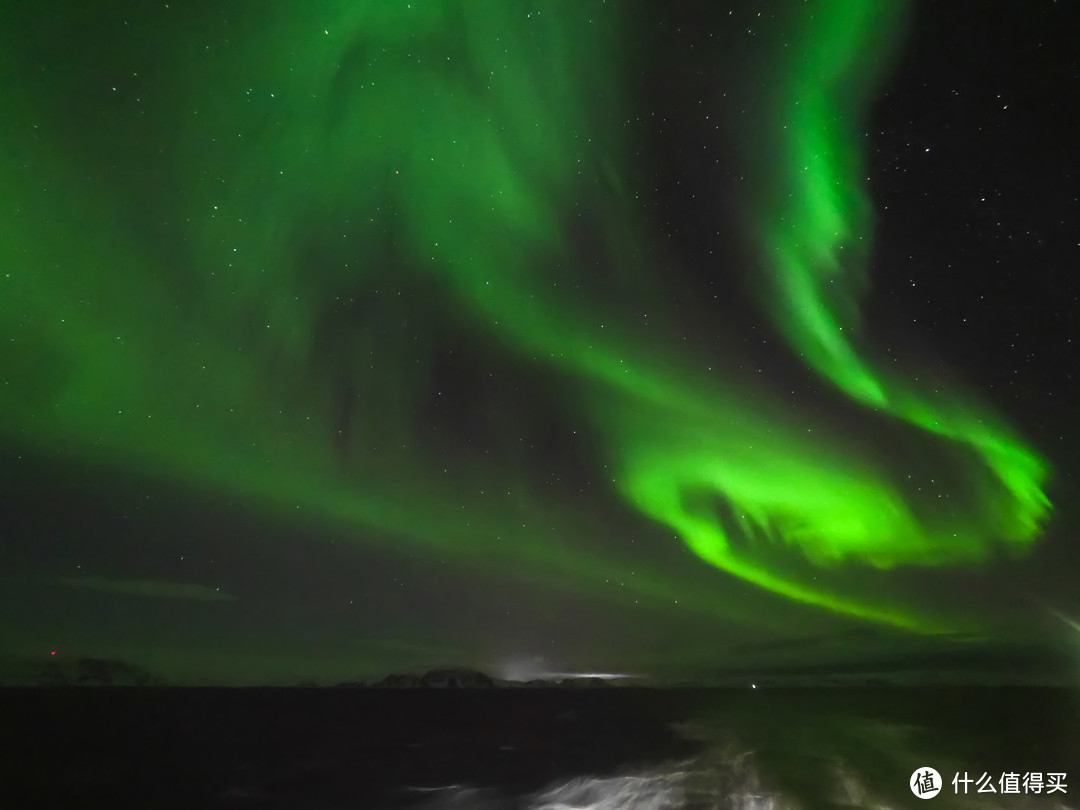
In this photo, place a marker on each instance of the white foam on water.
(658, 792)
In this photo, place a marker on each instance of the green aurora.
(236, 270)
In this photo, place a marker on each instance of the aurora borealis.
(344, 310)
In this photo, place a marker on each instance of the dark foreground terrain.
(538, 748)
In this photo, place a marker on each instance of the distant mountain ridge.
(457, 678)
(465, 678)
(83, 671)
(89, 672)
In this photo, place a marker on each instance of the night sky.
(352, 336)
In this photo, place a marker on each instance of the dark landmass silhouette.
(455, 678)
(465, 678)
(83, 671)
(972, 667)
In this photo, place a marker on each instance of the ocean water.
(542, 749)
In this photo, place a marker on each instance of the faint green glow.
(181, 307)
(149, 588)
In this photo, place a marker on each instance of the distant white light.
(604, 676)
(534, 670)
(753, 686)
(1075, 625)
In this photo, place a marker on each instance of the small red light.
(53, 652)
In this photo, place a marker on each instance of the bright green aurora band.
(183, 271)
